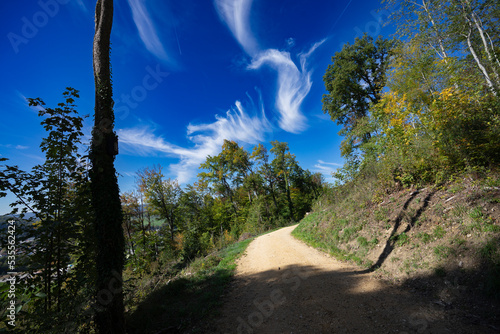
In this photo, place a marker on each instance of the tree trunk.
(442, 53)
(109, 316)
(482, 33)
(480, 65)
(289, 198)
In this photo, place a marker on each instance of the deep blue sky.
(187, 75)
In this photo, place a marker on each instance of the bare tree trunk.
(479, 27)
(473, 52)
(109, 316)
(480, 65)
(442, 53)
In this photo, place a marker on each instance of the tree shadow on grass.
(391, 241)
(180, 304)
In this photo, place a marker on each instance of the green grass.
(442, 252)
(489, 249)
(401, 239)
(329, 244)
(425, 237)
(438, 232)
(362, 242)
(189, 299)
(381, 214)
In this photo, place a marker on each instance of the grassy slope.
(180, 304)
(441, 241)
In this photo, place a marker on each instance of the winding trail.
(284, 286)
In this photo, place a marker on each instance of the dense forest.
(417, 109)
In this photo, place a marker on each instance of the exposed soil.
(285, 286)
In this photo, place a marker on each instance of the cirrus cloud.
(146, 29)
(293, 83)
(238, 124)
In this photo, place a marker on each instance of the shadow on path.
(303, 299)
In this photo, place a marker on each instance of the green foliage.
(381, 214)
(439, 115)
(362, 241)
(442, 252)
(438, 232)
(196, 296)
(425, 237)
(402, 239)
(354, 81)
(60, 236)
(489, 251)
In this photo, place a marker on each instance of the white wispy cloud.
(293, 83)
(293, 87)
(238, 124)
(147, 30)
(327, 169)
(321, 162)
(236, 15)
(21, 147)
(25, 103)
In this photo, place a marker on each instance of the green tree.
(283, 164)
(354, 82)
(57, 193)
(261, 157)
(468, 29)
(163, 196)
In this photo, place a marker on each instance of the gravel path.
(285, 286)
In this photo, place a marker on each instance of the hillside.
(439, 241)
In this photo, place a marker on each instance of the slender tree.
(105, 193)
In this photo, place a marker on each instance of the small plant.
(374, 241)
(348, 234)
(476, 213)
(458, 242)
(442, 252)
(342, 222)
(425, 237)
(362, 242)
(456, 188)
(381, 214)
(402, 239)
(492, 182)
(488, 226)
(438, 232)
(459, 211)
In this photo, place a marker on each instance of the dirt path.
(285, 286)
